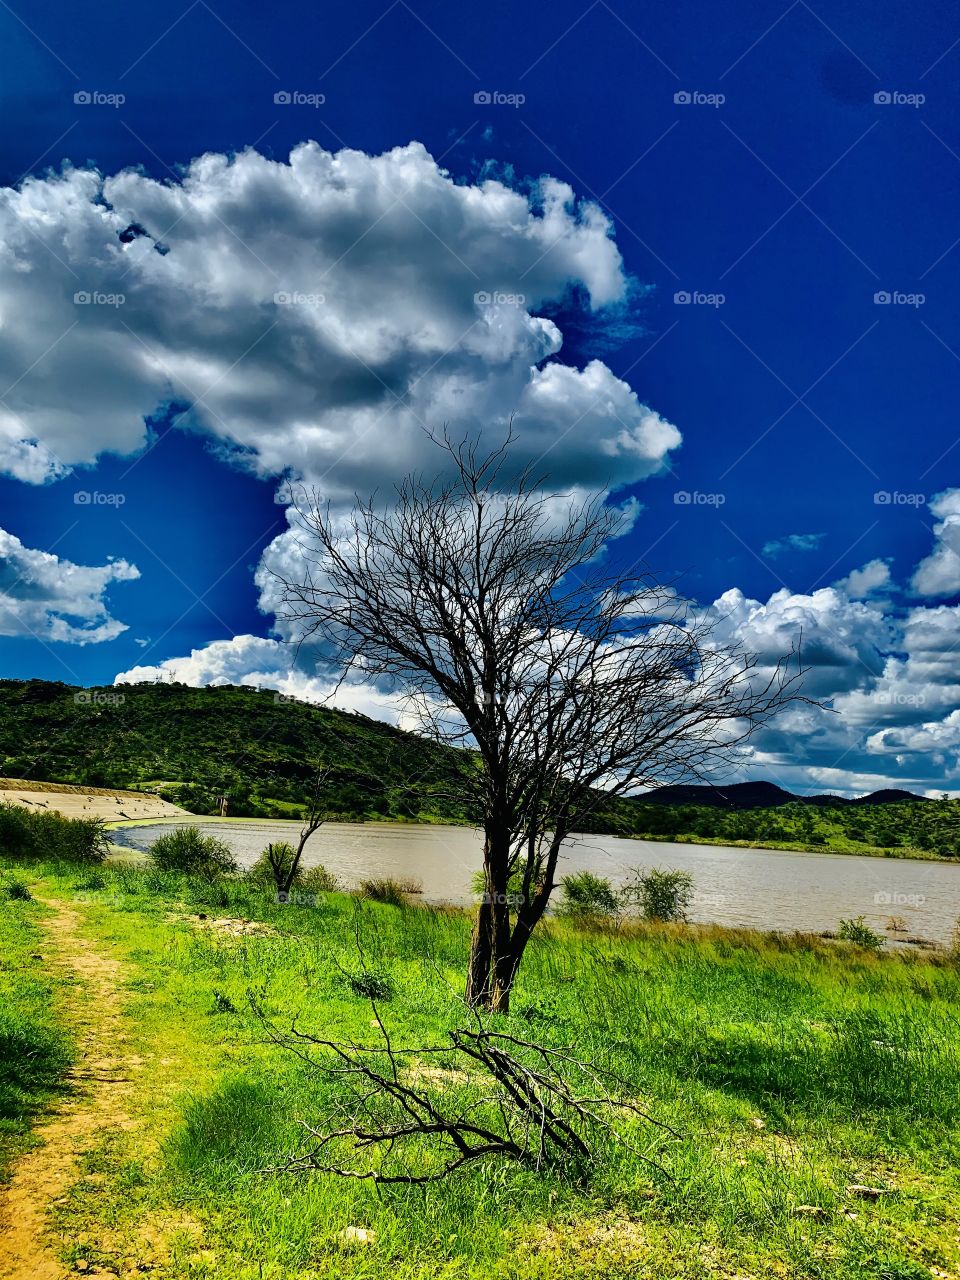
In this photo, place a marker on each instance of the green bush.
(585, 894)
(17, 891)
(859, 932)
(189, 851)
(386, 889)
(273, 865)
(372, 986)
(317, 879)
(660, 895)
(31, 835)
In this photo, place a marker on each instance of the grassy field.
(34, 1049)
(791, 1069)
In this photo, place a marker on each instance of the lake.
(755, 888)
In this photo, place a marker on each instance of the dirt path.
(100, 1086)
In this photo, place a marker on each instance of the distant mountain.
(888, 796)
(762, 795)
(740, 795)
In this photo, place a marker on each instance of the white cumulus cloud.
(49, 598)
(256, 661)
(939, 573)
(314, 315)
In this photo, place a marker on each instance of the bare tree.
(284, 862)
(493, 605)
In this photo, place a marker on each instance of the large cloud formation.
(314, 315)
(939, 573)
(49, 598)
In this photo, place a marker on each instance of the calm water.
(759, 888)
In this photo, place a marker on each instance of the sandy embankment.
(86, 802)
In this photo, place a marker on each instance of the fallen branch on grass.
(502, 1097)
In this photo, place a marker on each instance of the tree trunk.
(481, 955)
(490, 974)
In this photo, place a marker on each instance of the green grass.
(791, 1068)
(34, 1050)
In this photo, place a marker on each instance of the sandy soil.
(100, 1085)
(92, 802)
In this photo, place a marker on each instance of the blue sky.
(743, 160)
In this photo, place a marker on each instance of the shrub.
(860, 934)
(188, 851)
(18, 891)
(318, 879)
(273, 867)
(372, 986)
(389, 890)
(585, 894)
(660, 895)
(29, 834)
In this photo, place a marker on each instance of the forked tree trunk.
(481, 953)
(490, 974)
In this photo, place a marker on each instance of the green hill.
(194, 745)
(261, 749)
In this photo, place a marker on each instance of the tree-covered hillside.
(194, 745)
(904, 827)
(262, 750)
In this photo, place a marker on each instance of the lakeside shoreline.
(706, 842)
